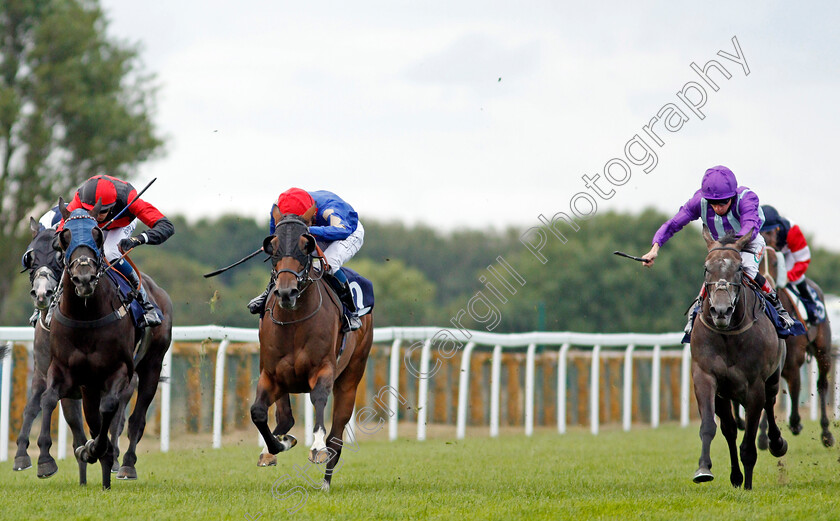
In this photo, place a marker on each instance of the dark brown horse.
(301, 348)
(735, 355)
(817, 343)
(92, 345)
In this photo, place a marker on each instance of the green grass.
(643, 474)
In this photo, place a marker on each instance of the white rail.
(602, 345)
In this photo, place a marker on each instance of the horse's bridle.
(725, 285)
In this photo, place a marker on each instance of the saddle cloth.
(362, 291)
(126, 292)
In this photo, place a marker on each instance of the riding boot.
(815, 309)
(351, 321)
(257, 304)
(783, 314)
(150, 314)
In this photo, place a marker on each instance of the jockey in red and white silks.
(788, 238)
(725, 208)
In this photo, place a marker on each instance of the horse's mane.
(731, 238)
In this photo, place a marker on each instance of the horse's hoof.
(127, 473)
(287, 441)
(795, 428)
(703, 475)
(763, 442)
(47, 468)
(781, 451)
(24, 462)
(115, 467)
(827, 439)
(267, 460)
(319, 457)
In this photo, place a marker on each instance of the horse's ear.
(708, 236)
(94, 212)
(98, 237)
(275, 213)
(270, 244)
(309, 214)
(62, 207)
(741, 243)
(34, 226)
(62, 240)
(310, 244)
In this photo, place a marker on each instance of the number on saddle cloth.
(361, 290)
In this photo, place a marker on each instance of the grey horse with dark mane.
(736, 355)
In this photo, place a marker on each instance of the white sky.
(482, 114)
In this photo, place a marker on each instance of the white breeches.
(339, 252)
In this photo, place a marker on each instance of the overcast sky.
(485, 114)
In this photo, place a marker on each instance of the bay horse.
(92, 343)
(301, 347)
(817, 343)
(737, 356)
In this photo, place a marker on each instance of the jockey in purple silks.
(725, 208)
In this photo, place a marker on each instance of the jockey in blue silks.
(337, 230)
(724, 208)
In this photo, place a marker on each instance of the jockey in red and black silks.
(725, 208)
(114, 195)
(335, 226)
(787, 238)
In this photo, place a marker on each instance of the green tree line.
(425, 277)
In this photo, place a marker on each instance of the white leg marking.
(320, 442)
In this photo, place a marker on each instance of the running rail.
(596, 346)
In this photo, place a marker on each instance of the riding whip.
(237, 263)
(629, 256)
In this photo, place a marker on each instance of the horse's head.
(723, 275)
(290, 249)
(81, 244)
(43, 263)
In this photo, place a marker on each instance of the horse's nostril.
(75, 279)
(33, 294)
(49, 293)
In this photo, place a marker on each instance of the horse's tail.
(4, 350)
(163, 379)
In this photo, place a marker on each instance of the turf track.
(643, 474)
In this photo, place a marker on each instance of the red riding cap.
(295, 200)
(96, 188)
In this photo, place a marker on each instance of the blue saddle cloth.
(125, 290)
(362, 290)
(796, 329)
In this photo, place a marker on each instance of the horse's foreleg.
(73, 415)
(118, 424)
(285, 421)
(344, 398)
(57, 384)
(267, 393)
(755, 403)
(704, 392)
(777, 444)
(146, 385)
(729, 429)
(30, 412)
(319, 395)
